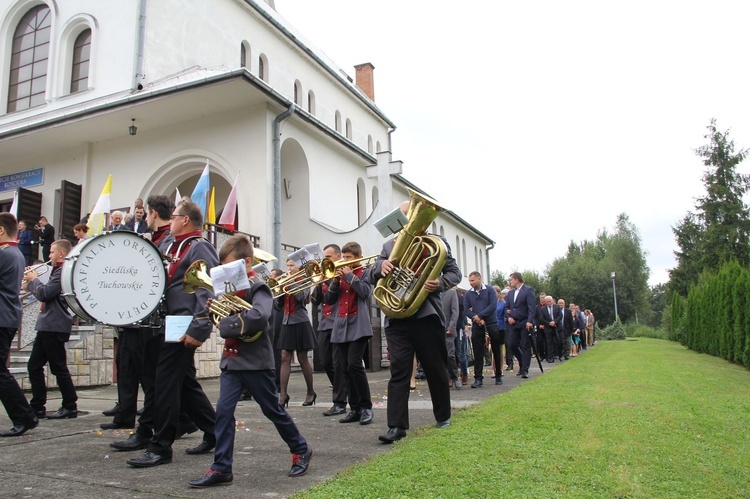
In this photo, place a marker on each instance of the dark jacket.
(566, 320)
(178, 302)
(54, 317)
(433, 305)
(256, 355)
(546, 318)
(46, 235)
(25, 238)
(483, 304)
(11, 272)
(521, 308)
(350, 297)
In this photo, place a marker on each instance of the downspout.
(277, 179)
(390, 140)
(139, 78)
(487, 259)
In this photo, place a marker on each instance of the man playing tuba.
(421, 332)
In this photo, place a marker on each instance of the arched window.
(79, 76)
(349, 129)
(263, 67)
(369, 144)
(311, 102)
(442, 231)
(463, 255)
(361, 202)
(434, 228)
(245, 55)
(457, 249)
(481, 265)
(377, 147)
(375, 196)
(298, 93)
(476, 260)
(29, 56)
(337, 122)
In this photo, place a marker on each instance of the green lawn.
(638, 418)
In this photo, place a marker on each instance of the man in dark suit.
(565, 331)
(46, 237)
(138, 223)
(549, 315)
(520, 312)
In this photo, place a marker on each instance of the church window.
(79, 78)
(29, 57)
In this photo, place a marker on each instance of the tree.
(582, 276)
(719, 230)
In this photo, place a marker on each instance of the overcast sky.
(554, 117)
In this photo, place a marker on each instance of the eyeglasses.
(174, 215)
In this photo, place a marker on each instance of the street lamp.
(614, 292)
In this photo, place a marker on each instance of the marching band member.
(11, 273)
(422, 333)
(350, 296)
(176, 385)
(296, 336)
(53, 327)
(249, 366)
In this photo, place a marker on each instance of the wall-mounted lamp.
(132, 129)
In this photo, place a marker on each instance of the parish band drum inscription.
(115, 278)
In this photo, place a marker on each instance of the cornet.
(313, 273)
(43, 269)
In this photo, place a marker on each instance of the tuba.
(222, 307)
(417, 258)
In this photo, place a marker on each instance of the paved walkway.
(71, 458)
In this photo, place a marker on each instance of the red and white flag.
(230, 208)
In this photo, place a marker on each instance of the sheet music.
(233, 273)
(176, 326)
(392, 223)
(300, 257)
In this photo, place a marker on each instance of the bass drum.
(114, 278)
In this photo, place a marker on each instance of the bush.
(643, 331)
(615, 331)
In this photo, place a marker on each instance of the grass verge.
(638, 418)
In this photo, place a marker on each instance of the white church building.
(150, 90)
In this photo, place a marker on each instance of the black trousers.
(15, 403)
(355, 377)
(50, 347)
(554, 344)
(177, 389)
(334, 367)
(426, 338)
(153, 340)
(131, 348)
(497, 338)
(519, 342)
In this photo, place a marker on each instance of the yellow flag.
(99, 214)
(211, 217)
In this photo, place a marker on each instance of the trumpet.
(222, 307)
(313, 273)
(43, 269)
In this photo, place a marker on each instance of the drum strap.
(175, 258)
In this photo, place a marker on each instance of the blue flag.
(200, 193)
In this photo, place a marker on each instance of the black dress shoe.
(335, 410)
(149, 459)
(366, 416)
(20, 429)
(204, 447)
(113, 411)
(63, 413)
(525, 375)
(300, 463)
(211, 478)
(134, 442)
(443, 424)
(40, 413)
(499, 380)
(392, 435)
(353, 416)
(114, 426)
(477, 383)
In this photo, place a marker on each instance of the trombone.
(43, 269)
